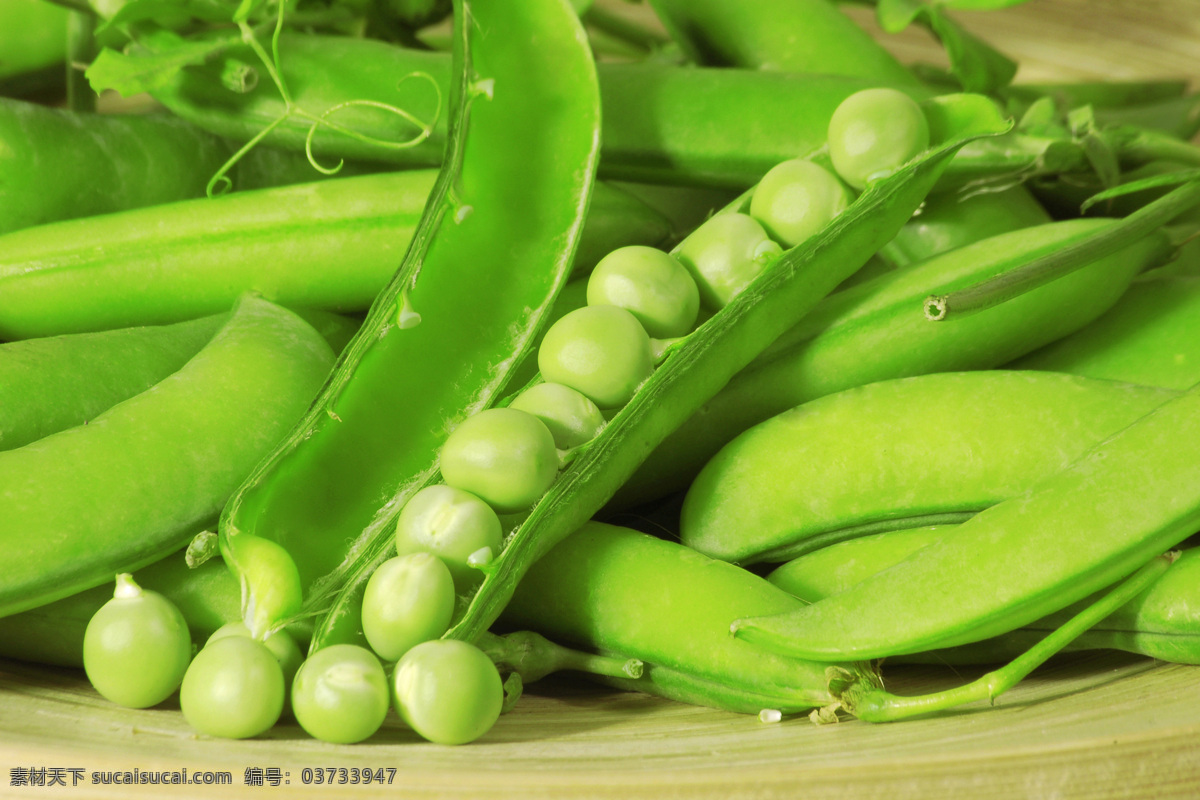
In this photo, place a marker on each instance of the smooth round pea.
(504, 456)
(233, 689)
(451, 524)
(725, 254)
(572, 418)
(602, 352)
(448, 691)
(409, 599)
(873, 132)
(136, 647)
(796, 199)
(281, 643)
(341, 694)
(650, 284)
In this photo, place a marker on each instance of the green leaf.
(896, 15)
(1133, 187)
(151, 63)
(976, 64)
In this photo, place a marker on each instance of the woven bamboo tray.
(1094, 726)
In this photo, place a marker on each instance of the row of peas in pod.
(137, 650)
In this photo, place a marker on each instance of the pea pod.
(660, 122)
(194, 257)
(33, 44)
(875, 331)
(614, 590)
(1160, 623)
(698, 365)
(491, 251)
(75, 502)
(61, 164)
(1073, 534)
(898, 454)
(49, 385)
(1152, 337)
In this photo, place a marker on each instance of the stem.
(533, 657)
(1048, 268)
(873, 704)
(81, 49)
(1147, 145)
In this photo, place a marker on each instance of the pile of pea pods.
(391, 362)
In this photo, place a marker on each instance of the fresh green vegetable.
(503, 456)
(453, 525)
(447, 691)
(137, 647)
(48, 385)
(1072, 534)
(650, 284)
(75, 502)
(873, 132)
(796, 199)
(898, 454)
(233, 689)
(571, 418)
(725, 254)
(408, 600)
(602, 352)
(341, 694)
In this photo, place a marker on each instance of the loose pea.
(280, 643)
(408, 600)
(504, 456)
(873, 132)
(725, 254)
(448, 691)
(650, 284)
(601, 351)
(572, 418)
(341, 694)
(136, 647)
(233, 689)
(796, 199)
(451, 524)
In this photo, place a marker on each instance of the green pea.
(725, 254)
(601, 351)
(233, 689)
(280, 643)
(504, 456)
(873, 132)
(136, 647)
(408, 600)
(448, 691)
(341, 694)
(650, 284)
(572, 418)
(451, 524)
(796, 199)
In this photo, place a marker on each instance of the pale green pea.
(341, 694)
(503, 455)
(452, 525)
(796, 199)
(572, 418)
(725, 254)
(650, 284)
(601, 351)
(408, 600)
(873, 132)
(233, 689)
(136, 647)
(448, 691)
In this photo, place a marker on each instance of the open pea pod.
(488, 257)
(696, 367)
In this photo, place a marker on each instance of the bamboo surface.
(1096, 726)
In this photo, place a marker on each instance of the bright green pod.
(54, 383)
(194, 257)
(1074, 533)
(876, 331)
(662, 123)
(1152, 337)
(75, 502)
(618, 591)
(897, 454)
(60, 164)
(431, 353)
(33, 39)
